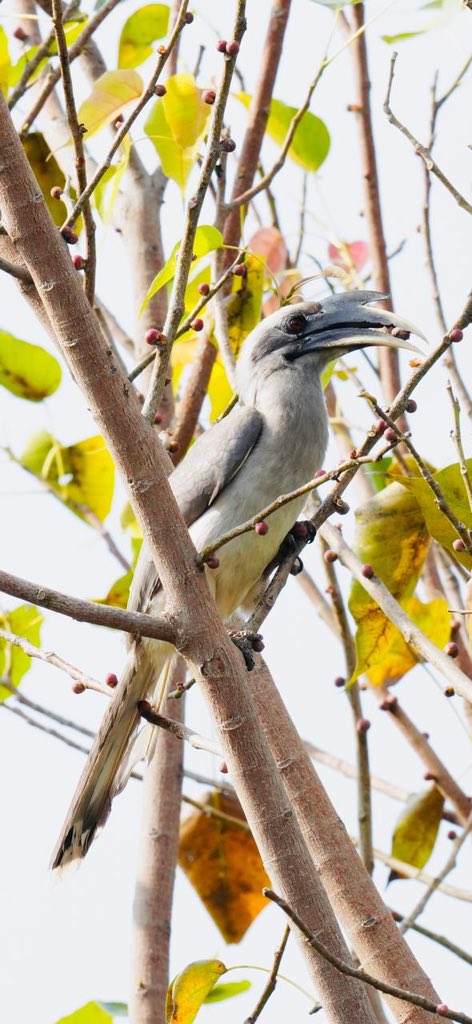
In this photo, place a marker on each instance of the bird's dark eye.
(296, 324)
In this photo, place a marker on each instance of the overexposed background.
(64, 944)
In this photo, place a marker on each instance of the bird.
(272, 441)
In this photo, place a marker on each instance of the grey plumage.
(273, 441)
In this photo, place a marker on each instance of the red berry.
(204, 289)
(458, 544)
(228, 145)
(221, 45)
(19, 33)
(209, 96)
(188, 18)
(56, 192)
(78, 688)
(456, 334)
(232, 48)
(78, 262)
(197, 325)
(223, 767)
(262, 528)
(152, 336)
(353, 454)
(388, 704)
(240, 270)
(300, 530)
(411, 405)
(363, 725)
(442, 1009)
(161, 50)
(112, 680)
(451, 650)
(396, 916)
(173, 447)
(380, 426)
(399, 332)
(157, 419)
(451, 834)
(342, 507)
(390, 434)
(339, 681)
(212, 562)
(69, 236)
(449, 691)
(160, 90)
(258, 646)
(320, 472)
(367, 571)
(330, 556)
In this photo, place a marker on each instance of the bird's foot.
(247, 642)
(301, 531)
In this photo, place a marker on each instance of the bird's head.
(320, 332)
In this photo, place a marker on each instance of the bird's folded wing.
(207, 469)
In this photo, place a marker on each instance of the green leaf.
(47, 172)
(377, 472)
(391, 536)
(139, 31)
(450, 481)
(189, 989)
(175, 125)
(417, 828)
(226, 991)
(91, 1013)
(5, 64)
(25, 621)
(106, 192)
(27, 370)
(311, 142)
(110, 94)
(118, 593)
(81, 475)
(447, 10)
(207, 239)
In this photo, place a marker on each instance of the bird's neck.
(293, 407)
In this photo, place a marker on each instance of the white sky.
(63, 945)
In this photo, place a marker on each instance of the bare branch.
(368, 979)
(421, 150)
(54, 659)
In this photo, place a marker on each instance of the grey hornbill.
(272, 441)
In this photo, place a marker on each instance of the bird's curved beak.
(349, 321)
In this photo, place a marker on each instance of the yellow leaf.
(220, 391)
(451, 483)
(417, 827)
(106, 192)
(389, 661)
(81, 475)
(222, 862)
(186, 113)
(189, 989)
(391, 536)
(4, 62)
(245, 304)
(139, 31)
(110, 94)
(25, 621)
(47, 172)
(26, 370)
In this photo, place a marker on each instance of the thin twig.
(15, 271)
(194, 205)
(78, 143)
(177, 729)
(441, 500)
(136, 623)
(124, 129)
(435, 937)
(42, 53)
(457, 438)
(421, 150)
(75, 51)
(271, 981)
(414, 637)
(450, 864)
(53, 659)
(364, 802)
(361, 975)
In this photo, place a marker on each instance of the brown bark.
(152, 909)
(202, 638)
(361, 912)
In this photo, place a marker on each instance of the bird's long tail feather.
(117, 747)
